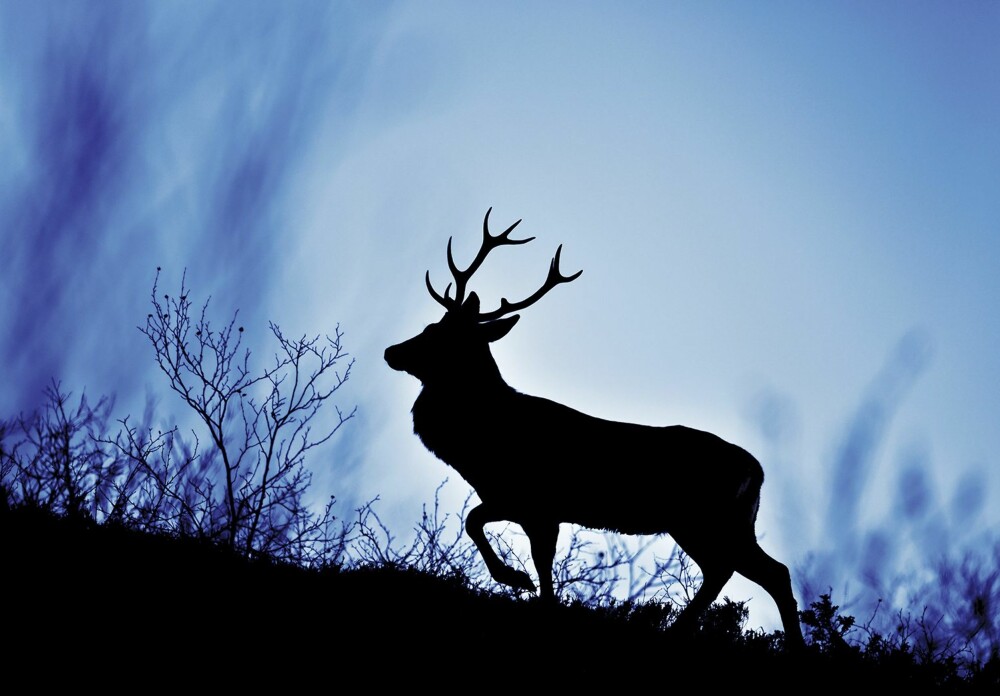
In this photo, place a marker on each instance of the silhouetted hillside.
(85, 601)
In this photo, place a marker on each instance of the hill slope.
(82, 600)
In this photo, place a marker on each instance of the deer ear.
(471, 304)
(495, 330)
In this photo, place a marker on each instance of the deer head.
(457, 346)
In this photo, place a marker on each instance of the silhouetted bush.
(902, 655)
(53, 459)
(244, 489)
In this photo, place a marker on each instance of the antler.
(553, 279)
(490, 242)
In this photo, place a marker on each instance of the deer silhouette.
(538, 463)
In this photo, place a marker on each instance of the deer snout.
(393, 357)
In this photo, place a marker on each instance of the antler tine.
(554, 278)
(445, 301)
(489, 239)
(490, 242)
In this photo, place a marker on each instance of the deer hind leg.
(479, 517)
(714, 578)
(754, 564)
(543, 537)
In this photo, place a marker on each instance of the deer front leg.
(543, 537)
(478, 518)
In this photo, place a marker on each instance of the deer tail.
(748, 494)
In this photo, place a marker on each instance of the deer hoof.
(519, 580)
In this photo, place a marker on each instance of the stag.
(538, 463)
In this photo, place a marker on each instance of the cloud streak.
(146, 134)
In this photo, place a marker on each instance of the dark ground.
(103, 606)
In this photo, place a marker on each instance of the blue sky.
(786, 214)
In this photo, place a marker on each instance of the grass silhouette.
(80, 594)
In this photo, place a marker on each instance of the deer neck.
(468, 385)
(474, 390)
(453, 417)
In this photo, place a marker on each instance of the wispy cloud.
(145, 134)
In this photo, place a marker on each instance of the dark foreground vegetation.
(86, 599)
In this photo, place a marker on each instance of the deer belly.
(656, 504)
